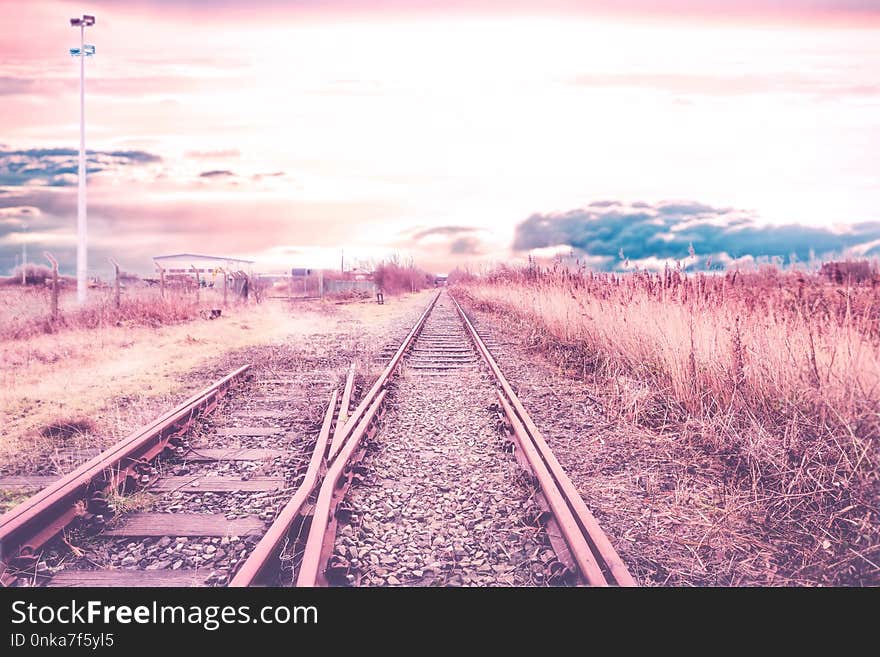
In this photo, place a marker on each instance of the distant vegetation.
(392, 277)
(34, 275)
(777, 374)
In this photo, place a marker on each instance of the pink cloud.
(519, 116)
(719, 10)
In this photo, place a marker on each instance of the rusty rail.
(344, 407)
(266, 551)
(577, 537)
(380, 383)
(319, 543)
(27, 527)
(597, 560)
(581, 541)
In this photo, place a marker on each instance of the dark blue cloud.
(688, 209)
(139, 157)
(667, 230)
(216, 173)
(59, 166)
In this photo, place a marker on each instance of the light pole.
(82, 52)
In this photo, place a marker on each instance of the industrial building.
(207, 266)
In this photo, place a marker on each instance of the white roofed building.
(206, 265)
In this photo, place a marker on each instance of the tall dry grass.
(25, 310)
(777, 374)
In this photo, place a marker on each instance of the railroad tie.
(130, 578)
(199, 454)
(184, 524)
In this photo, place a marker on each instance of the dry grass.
(26, 309)
(777, 375)
(123, 377)
(117, 376)
(65, 429)
(351, 294)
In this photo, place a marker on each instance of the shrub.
(34, 275)
(394, 278)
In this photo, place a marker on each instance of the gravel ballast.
(442, 501)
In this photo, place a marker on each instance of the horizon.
(450, 135)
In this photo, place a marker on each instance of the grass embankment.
(776, 375)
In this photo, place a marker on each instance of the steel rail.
(29, 525)
(577, 543)
(344, 407)
(270, 545)
(310, 569)
(554, 482)
(345, 444)
(380, 383)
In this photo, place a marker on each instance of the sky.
(451, 133)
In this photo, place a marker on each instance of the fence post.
(225, 286)
(198, 282)
(116, 297)
(54, 306)
(161, 281)
(320, 283)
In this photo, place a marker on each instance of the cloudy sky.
(452, 132)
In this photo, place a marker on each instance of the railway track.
(179, 502)
(415, 485)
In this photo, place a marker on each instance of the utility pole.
(342, 261)
(82, 52)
